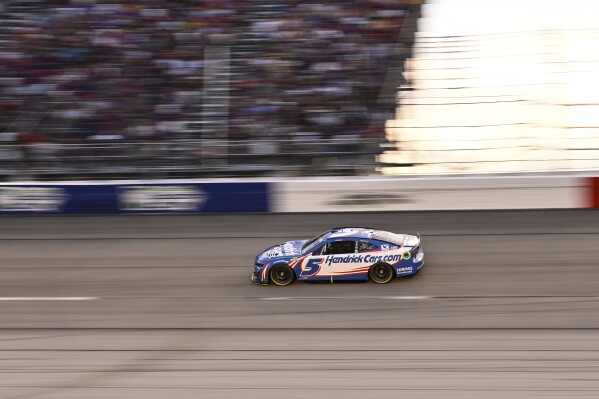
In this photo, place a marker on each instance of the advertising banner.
(165, 197)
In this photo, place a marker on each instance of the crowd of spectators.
(105, 69)
(85, 70)
(319, 68)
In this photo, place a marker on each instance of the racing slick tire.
(381, 273)
(281, 275)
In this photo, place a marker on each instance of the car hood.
(286, 249)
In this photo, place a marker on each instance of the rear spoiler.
(415, 245)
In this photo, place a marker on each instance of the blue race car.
(342, 253)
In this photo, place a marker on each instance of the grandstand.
(109, 89)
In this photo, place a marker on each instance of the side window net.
(366, 246)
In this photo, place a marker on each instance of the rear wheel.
(281, 275)
(381, 273)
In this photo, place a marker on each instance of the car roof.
(365, 233)
(350, 232)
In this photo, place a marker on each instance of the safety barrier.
(438, 193)
(594, 189)
(301, 195)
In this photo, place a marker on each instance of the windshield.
(311, 244)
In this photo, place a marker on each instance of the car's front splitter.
(256, 279)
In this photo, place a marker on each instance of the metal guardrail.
(187, 159)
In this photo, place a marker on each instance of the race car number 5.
(312, 267)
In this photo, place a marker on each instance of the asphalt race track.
(152, 307)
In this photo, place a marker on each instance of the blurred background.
(149, 150)
(108, 89)
(198, 88)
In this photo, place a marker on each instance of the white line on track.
(43, 298)
(347, 298)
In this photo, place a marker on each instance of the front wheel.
(381, 273)
(281, 275)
